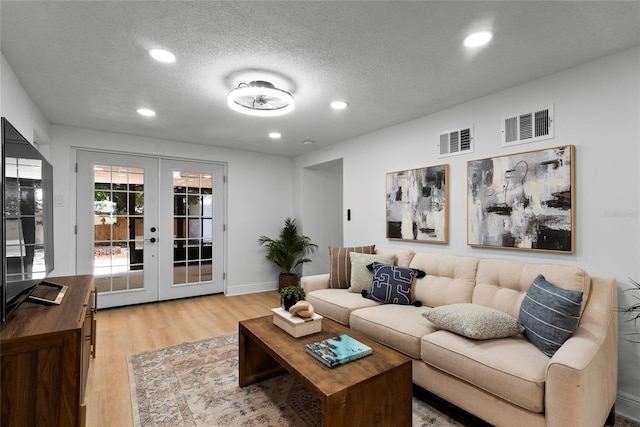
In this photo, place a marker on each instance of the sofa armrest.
(315, 282)
(582, 376)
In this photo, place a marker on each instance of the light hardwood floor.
(127, 330)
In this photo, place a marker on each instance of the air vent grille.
(465, 140)
(528, 127)
(444, 144)
(454, 142)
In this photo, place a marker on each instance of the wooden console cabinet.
(45, 353)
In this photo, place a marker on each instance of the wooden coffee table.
(373, 391)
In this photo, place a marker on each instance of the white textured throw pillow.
(361, 276)
(474, 321)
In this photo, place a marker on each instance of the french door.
(192, 210)
(149, 229)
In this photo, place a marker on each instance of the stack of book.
(338, 350)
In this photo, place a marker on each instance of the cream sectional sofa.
(505, 381)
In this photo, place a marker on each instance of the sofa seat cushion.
(510, 368)
(337, 304)
(397, 326)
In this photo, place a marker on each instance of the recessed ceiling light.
(478, 39)
(146, 112)
(275, 135)
(307, 142)
(162, 55)
(339, 105)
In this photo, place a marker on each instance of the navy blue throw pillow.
(391, 284)
(549, 314)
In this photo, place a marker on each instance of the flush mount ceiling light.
(146, 112)
(478, 39)
(339, 105)
(275, 135)
(260, 98)
(162, 55)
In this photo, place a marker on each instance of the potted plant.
(290, 295)
(288, 252)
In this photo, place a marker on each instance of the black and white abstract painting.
(417, 205)
(523, 201)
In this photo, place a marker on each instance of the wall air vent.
(456, 142)
(528, 127)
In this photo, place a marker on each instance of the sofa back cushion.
(449, 279)
(502, 284)
(403, 256)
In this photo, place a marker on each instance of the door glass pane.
(192, 227)
(118, 228)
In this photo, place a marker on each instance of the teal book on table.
(338, 350)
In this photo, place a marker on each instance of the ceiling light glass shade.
(260, 98)
(478, 39)
(146, 112)
(162, 55)
(339, 105)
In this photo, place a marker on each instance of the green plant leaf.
(290, 249)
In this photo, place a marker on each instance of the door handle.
(152, 240)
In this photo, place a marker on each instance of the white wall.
(322, 211)
(597, 108)
(259, 191)
(17, 107)
(258, 198)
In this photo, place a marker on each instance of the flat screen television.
(27, 223)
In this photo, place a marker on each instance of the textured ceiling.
(85, 63)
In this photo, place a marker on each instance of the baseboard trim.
(628, 406)
(251, 288)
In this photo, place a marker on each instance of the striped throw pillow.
(549, 314)
(340, 264)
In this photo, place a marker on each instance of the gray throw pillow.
(549, 314)
(474, 321)
(361, 276)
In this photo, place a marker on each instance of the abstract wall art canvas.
(522, 201)
(417, 204)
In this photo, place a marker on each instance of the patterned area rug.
(196, 384)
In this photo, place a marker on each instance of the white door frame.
(85, 237)
(167, 288)
(84, 221)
